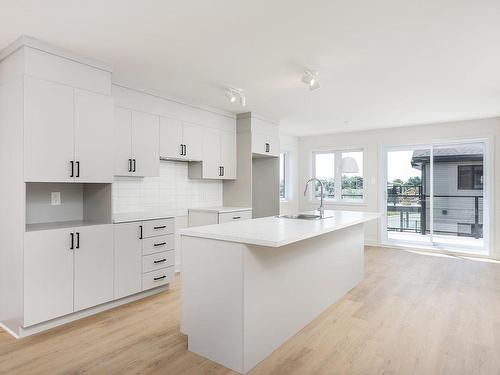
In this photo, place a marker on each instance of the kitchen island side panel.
(285, 288)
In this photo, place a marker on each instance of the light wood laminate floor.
(412, 314)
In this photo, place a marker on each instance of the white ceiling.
(382, 63)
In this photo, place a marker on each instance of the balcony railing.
(408, 210)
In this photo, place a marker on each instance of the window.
(345, 167)
(324, 167)
(283, 176)
(470, 177)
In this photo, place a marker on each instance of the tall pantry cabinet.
(56, 148)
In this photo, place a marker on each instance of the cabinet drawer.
(157, 278)
(234, 216)
(158, 244)
(153, 228)
(156, 261)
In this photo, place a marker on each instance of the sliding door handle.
(72, 163)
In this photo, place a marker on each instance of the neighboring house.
(458, 190)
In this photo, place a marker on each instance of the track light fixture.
(310, 78)
(232, 94)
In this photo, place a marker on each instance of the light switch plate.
(55, 198)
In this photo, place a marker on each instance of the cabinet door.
(259, 141)
(48, 131)
(211, 153)
(93, 266)
(145, 144)
(93, 137)
(274, 145)
(228, 154)
(48, 275)
(128, 259)
(170, 138)
(123, 141)
(192, 137)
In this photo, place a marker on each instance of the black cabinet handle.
(140, 236)
(77, 169)
(135, 165)
(159, 278)
(182, 150)
(72, 168)
(220, 171)
(185, 150)
(77, 240)
(159, 261)
(130, 165)
(72, 241)
(160, 244)
(223, 171)
(160, 227)
(236, 217)
(267, 147)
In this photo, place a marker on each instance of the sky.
(399, 166)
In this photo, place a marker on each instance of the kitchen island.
(249, 286)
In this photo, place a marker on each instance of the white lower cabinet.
(48, 275)
(144, 255)
(128, 256)
(66, 270)
(93, 266)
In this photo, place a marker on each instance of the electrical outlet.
(55, 198)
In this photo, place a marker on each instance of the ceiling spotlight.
(310, 78)
(232, 94)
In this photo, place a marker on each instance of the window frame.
(287, 159)
(337, 152)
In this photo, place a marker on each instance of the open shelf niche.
(81, 205)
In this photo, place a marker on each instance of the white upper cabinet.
(48, 131)
(171, 138)
(93, 137)
(68, 133)
(123, 141)
(228, 154)
(265, 138)
(219, 156)
(180, 140)
(145, 145)
(136, 144)
(211, 167)
(192, 138)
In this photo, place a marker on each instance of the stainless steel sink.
(304, 217)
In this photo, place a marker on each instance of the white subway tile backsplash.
(171, 192)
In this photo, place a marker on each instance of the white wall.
(290, 145)
(372, 142)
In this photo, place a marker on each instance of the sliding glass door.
(435, 196)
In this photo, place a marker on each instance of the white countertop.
(275, 231)
(140, 216)
(220, 209)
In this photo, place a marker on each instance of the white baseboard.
(28, 331)
(8, 330)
